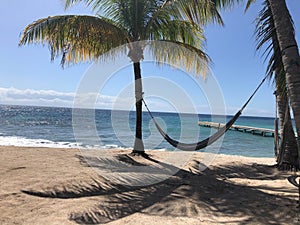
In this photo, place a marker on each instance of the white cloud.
(35, 97)
(13, 96)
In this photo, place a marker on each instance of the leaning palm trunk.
(290, 58)
(290, 55)
(288, 152)
(267, 35)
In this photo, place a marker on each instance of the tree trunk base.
(144, 155)
(287, 167)
(139, 153)
(138, 145)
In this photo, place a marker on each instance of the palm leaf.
(177, 31)
(266, 38)
(189, 39)
(93, 3)
(226, 4)
(180, 55)
(83, 37)
(199, 12)
(266, 35)
(249, 3)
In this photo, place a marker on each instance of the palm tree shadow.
(99, 186)
(184, 194)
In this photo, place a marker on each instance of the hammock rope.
(208, 141)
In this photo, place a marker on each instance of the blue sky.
(28, 77)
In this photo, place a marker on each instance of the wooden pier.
(246, 129)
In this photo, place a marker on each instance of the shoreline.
(112, 147)
(57, 186)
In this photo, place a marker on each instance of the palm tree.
(118, 22)
(266, 36)
(290, 59)
(290, 56)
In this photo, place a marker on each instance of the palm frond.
(131, 14)
(176, 30)
(93, 3)
(227, 3)
(266, 38)
(189, 39)
(180, 55)
(200, 12)
(84, 38)
(249, 3)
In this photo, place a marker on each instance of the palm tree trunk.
(288, 152)
(138, 142)
(290, 56)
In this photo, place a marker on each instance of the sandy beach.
(71, 186)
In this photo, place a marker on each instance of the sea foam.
(26, 142)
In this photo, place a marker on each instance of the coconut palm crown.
(118, 22)
(80, 38)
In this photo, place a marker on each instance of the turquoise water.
(53, 127)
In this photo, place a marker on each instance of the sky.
(27, 77)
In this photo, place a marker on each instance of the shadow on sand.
(184, 194)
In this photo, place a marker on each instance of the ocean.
(56, 127)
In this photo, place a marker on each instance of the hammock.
(204, 143)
